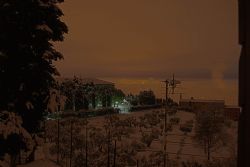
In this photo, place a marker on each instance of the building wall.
(232, 112)
(200, 106)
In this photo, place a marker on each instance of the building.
(232, 112)
(199, 105)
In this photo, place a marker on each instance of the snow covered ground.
(180, 145)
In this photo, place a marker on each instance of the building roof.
(232, 106)
(202, 101)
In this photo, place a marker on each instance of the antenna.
(174, 83)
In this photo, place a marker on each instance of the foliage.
(148, 137)
(118, 95)
(120, 129)
(132, 99)
(171, 103)
(147, 97)
(78, 94)
(191, 164)
(104, 94)
(13, 137)
(175, 120)
(28, 29)
(67, 128)
(152, 119)
(187, 126)
(144, 107)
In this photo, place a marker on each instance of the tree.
(27, 32)
(105, 93)
(13, 137)
(79, 94)
(210, 131)
(71, 89)
(147, 97)
(118, 96)
(132, 99)
(191, 164)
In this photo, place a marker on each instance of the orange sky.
(150, 38)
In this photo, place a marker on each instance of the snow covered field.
(135, 139)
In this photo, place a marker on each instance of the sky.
(150, 38)
(137, 43)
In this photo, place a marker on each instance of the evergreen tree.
(28, 29)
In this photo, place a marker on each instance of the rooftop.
(202, 100)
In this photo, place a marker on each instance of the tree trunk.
(114, 155)
(208, 152)
(58, 140)
(71, 142)
(13, 160)
(73, 103)
(86, 148)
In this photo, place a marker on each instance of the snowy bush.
(13, 137)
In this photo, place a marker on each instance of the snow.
(4, 164)
(180, 146)
(44, 27)
(6, 4)
(47, 54)
(12, 124)
(43, 4)
(40, 163)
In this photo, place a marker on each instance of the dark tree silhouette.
(27, 32)
(147, 97)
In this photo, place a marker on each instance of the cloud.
(144, 38)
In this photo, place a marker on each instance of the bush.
(89, 113)
(175, 120)
(145, 107)
(185, 128)
(147, 97)
(191, 164)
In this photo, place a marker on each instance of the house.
(198, 105)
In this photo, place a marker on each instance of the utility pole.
(108, 163)
(173, 83)
(86, 147)
(165, 122)
(58, 139)
(71, 143)
(114, 155)
(181, 96)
